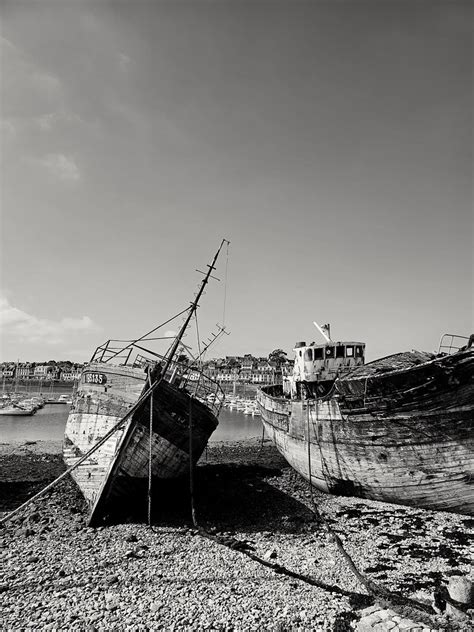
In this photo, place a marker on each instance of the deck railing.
(181, 374)
(450, 343)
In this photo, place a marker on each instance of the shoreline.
(128, 574)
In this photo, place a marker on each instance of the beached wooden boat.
(399, 429)
(148, 416)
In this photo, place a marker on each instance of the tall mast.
(194, 304)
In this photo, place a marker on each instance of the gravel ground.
(59, 574)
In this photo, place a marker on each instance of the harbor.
(233, 538)
(153, 481)
(236, 317)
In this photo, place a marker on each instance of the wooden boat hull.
(420, 454)
(117, 469)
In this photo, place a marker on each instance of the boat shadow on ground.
(228, 497)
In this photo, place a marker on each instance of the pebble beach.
(59, 574)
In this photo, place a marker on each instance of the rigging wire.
(225, 284)
(198, 341)
(145, 336)
(190, 434)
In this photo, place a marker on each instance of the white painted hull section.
(83, 430)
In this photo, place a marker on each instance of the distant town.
(245, 369)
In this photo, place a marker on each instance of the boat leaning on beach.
(138, 416)
(398, 430)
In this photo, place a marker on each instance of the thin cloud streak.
(19, 325)
(61, 167)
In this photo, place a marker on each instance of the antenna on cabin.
(324, 330)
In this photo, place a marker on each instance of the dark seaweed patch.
(377, 568)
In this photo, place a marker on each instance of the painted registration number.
(95, 378)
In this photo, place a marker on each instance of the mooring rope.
(85, 456)
(150, 450)
(191, 464)
(371, 587)
(190, 432)
(246, 548)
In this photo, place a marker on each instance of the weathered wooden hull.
(116, 470)
(414, 445)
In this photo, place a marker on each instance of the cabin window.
(340, 351)
(349, 352)
(318, 353)
(329, 352)
(359, 352)
(308, 355)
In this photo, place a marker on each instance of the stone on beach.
(128, 576)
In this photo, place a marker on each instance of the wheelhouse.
(316, 363)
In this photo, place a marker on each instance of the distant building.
(40, 370)
(72, 375)
(24, 371)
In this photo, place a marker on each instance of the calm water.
(49, 422)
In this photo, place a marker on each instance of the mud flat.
(57, 573)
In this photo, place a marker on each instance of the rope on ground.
(372, 588)
(85, 456)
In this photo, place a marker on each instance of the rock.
(27, 532)
(4, 588)
(456, 613)
(111, 579)
(461, 589)
(131, 538)
(271, 554)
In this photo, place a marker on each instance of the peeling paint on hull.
(112, 473)
(413, 445)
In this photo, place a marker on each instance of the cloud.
(46, 122)
(19, 325)
(61, 167)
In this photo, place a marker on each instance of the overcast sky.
(330, 142)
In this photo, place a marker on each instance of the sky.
(329, 142)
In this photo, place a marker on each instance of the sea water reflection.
(48, 425)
